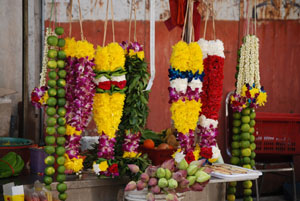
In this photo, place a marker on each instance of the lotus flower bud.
(172, 183)
(207, 170)
(192, 169)
(183, 172)
(202, 176)
(160, 173)
(183, 165)
(140, 185)
(184, 183)
(169, 164)
(133, 168)
(151, 170)
(130, 186)
(171, 197)
(199, 163)
(155, 189)
(191, 179)
(168, 174)
(144, 177)
(162, 183)
(150, 197)
(197, 187)
(177, 176)
(182, 190)
(152, 182)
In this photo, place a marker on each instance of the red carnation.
(113, 168)
(189, 157)
(120, 84)
(206, 152)
(105, 85)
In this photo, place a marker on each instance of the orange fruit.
(149, 144)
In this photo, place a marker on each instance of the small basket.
(158, 156)
(277, 133)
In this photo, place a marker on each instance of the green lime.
(236, 152)
(244, 144)
(253, 154)
(61, 177)
(61, 121)
(235, 145)
(61, 187)
(52, 75)
(49, 149)
(50, 140)
(49, 160)
(237, 115)
(246, 112)
(49, 170)
(61, 93)
(61, 42)
(51, 111)
(252, 163)
(50, 130)
(61, 169)
(61, 130)
(60, 141)
(61, 102)
(247, 192)
(61, 64)
(252, 138)
(62, 73)
(61, 111)
(236, 137)
(252, 115)
(51, 121)
(247, 184)
(247, 166)
(233, 183)
(252, 146)
(251, 130)
(52, 64)
(230, 197)
(246, 152)
(61, 54)
(52, 53)
(245, 136)
(51, 101)
(246, 160)
(60, 160)
(245, 127)
(52, 92)
(60, 151)
(234, 160)
(245, 119)
(59, 31)
(52, 40)
(236, 123)
(61, 82)
(236, 130)
(48, 180)
(231, 190)
(51, 83)
(62, 196)
(247, 198)
(252, 123)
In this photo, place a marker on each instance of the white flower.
(179, 156)
(96, 168)
(195, 84)
(216, 48)
(206, 123)
(216, 152)
(118, 78)
(179, 84)
(101, 79)
(204, 47)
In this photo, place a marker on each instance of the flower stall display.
(211, 96)
(247, 97)
(136, 103)
(186, 74)
(108, 104)
(80, 90)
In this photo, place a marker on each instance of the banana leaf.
(11, 165)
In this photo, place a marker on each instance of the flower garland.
(80, 91)
(108, 105)
(185, 76)
(211, 95)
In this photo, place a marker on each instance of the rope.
(205, 25)
(80, 21)
(248, 19)
(190, 28)
(213, 18)
(255, 17)
(70, 17)
(112, 19)
(105, 24)
(134, 36)
(55, 11)
(130, 20)
(185, 19)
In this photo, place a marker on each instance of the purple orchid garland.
(131, 142)
(106, 147)
(186, 141)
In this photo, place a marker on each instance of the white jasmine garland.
(118, 78)
(195, 84)
(206, 123)
(212, 47)
(179, 84)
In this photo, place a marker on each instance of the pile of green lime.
(243, 147)
(56, 121)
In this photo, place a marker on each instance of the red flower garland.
(206, 152)
(189, 157)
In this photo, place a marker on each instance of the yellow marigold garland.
(70, 130)
(196, 61)
(75, 164)
(180, 56)
(79, 49)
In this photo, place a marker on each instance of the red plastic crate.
(277, 133)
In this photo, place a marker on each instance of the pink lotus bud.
(183, 172)
(140, 185)
(133, 168)
(130, 186)
(150, 197)
(152, 182)
(182, 190)
(207, 170)
(171, 197)
(144, 177)
(151, 170)
(177, 176)
(197, 187)
(169, 164)
(199, 163)
(155, 189)
(184, 183)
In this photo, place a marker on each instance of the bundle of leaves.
(11, 165)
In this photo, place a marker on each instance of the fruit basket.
(158, 156)
(277, 133)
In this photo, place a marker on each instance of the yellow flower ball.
(180, 56)
(70, 47)
(84, 49)
(196, 61)
(74, 164)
